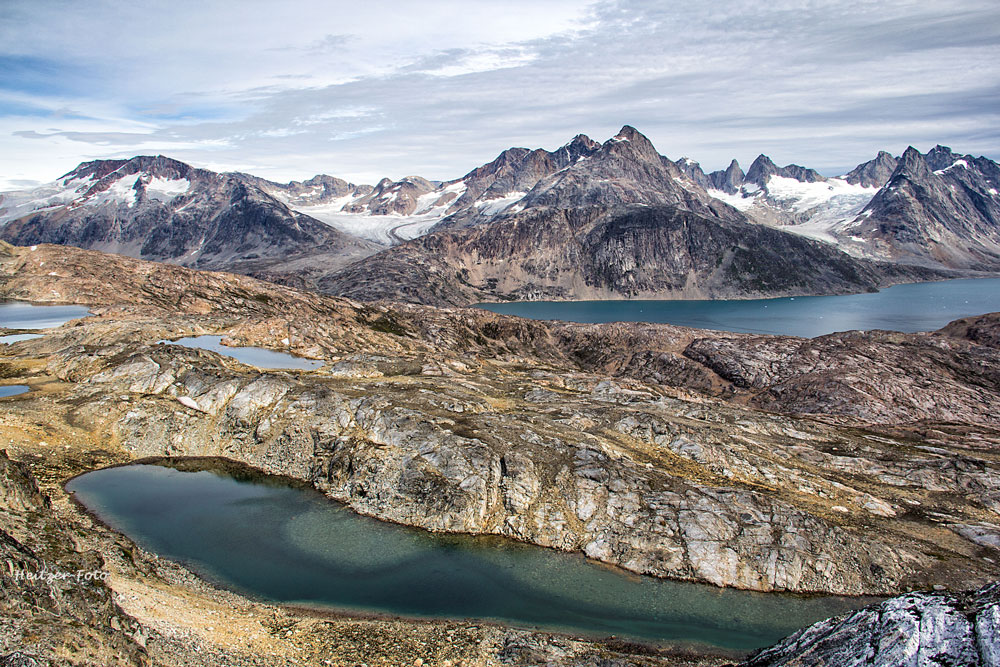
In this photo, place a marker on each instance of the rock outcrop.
(926, 629)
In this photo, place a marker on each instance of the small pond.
(253, 356)
(288, 543)
(20, 315)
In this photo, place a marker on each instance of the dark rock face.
(693, 171)
(626, 169)
(164, 210)
(320, 189)
(393, 198)
(874, 173)
(926, 629)
(730, 180)
(763, 168)
(938, 209)
(594, 252)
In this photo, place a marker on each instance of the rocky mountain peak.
(583, 142)
(912, 165)
(940, 157)
(730, 180)
(760, 170)
(693, 171)
(874, 173)
(154, 165)
(581, 146)
(633, 143)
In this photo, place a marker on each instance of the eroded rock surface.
(925, 629)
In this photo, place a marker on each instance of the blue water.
(13, 390)
(16, 338)
(290, 544)
(254, 356)
(19, 315)
(909, 308)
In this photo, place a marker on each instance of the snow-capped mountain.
(530, 223)
(619, 222)
(161, 209)
(942, 213)
(395, 211)
(936, 209)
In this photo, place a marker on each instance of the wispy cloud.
(436, 88)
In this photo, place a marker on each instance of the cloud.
(437, 88)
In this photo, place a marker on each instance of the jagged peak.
(628, 133)
(632, 142)
(762, 161)
(911, 164)
(583, 140)
(761, 169)
(940, 157)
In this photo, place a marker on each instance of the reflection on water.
(294, 545)
(16, 338)
(19, 315)
(13, 390)
(909, 308)
(254, 356)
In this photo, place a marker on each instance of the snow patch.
(957, 163)
(19, 203)
(122, 190)
(806, 196)
(494, 206)
(165, 189)
(737, 200)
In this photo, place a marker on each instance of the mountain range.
(588, 220)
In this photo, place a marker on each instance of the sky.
(365, 90)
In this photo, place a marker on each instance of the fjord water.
(291, 544)
(19, 315)
(908, 308)
(253, 356)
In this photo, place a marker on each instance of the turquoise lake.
(264, 537)
(909, 308)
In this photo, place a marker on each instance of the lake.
(253, 356)
(20, 315)
(13, 390)
(290, 544)
(909, 308)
